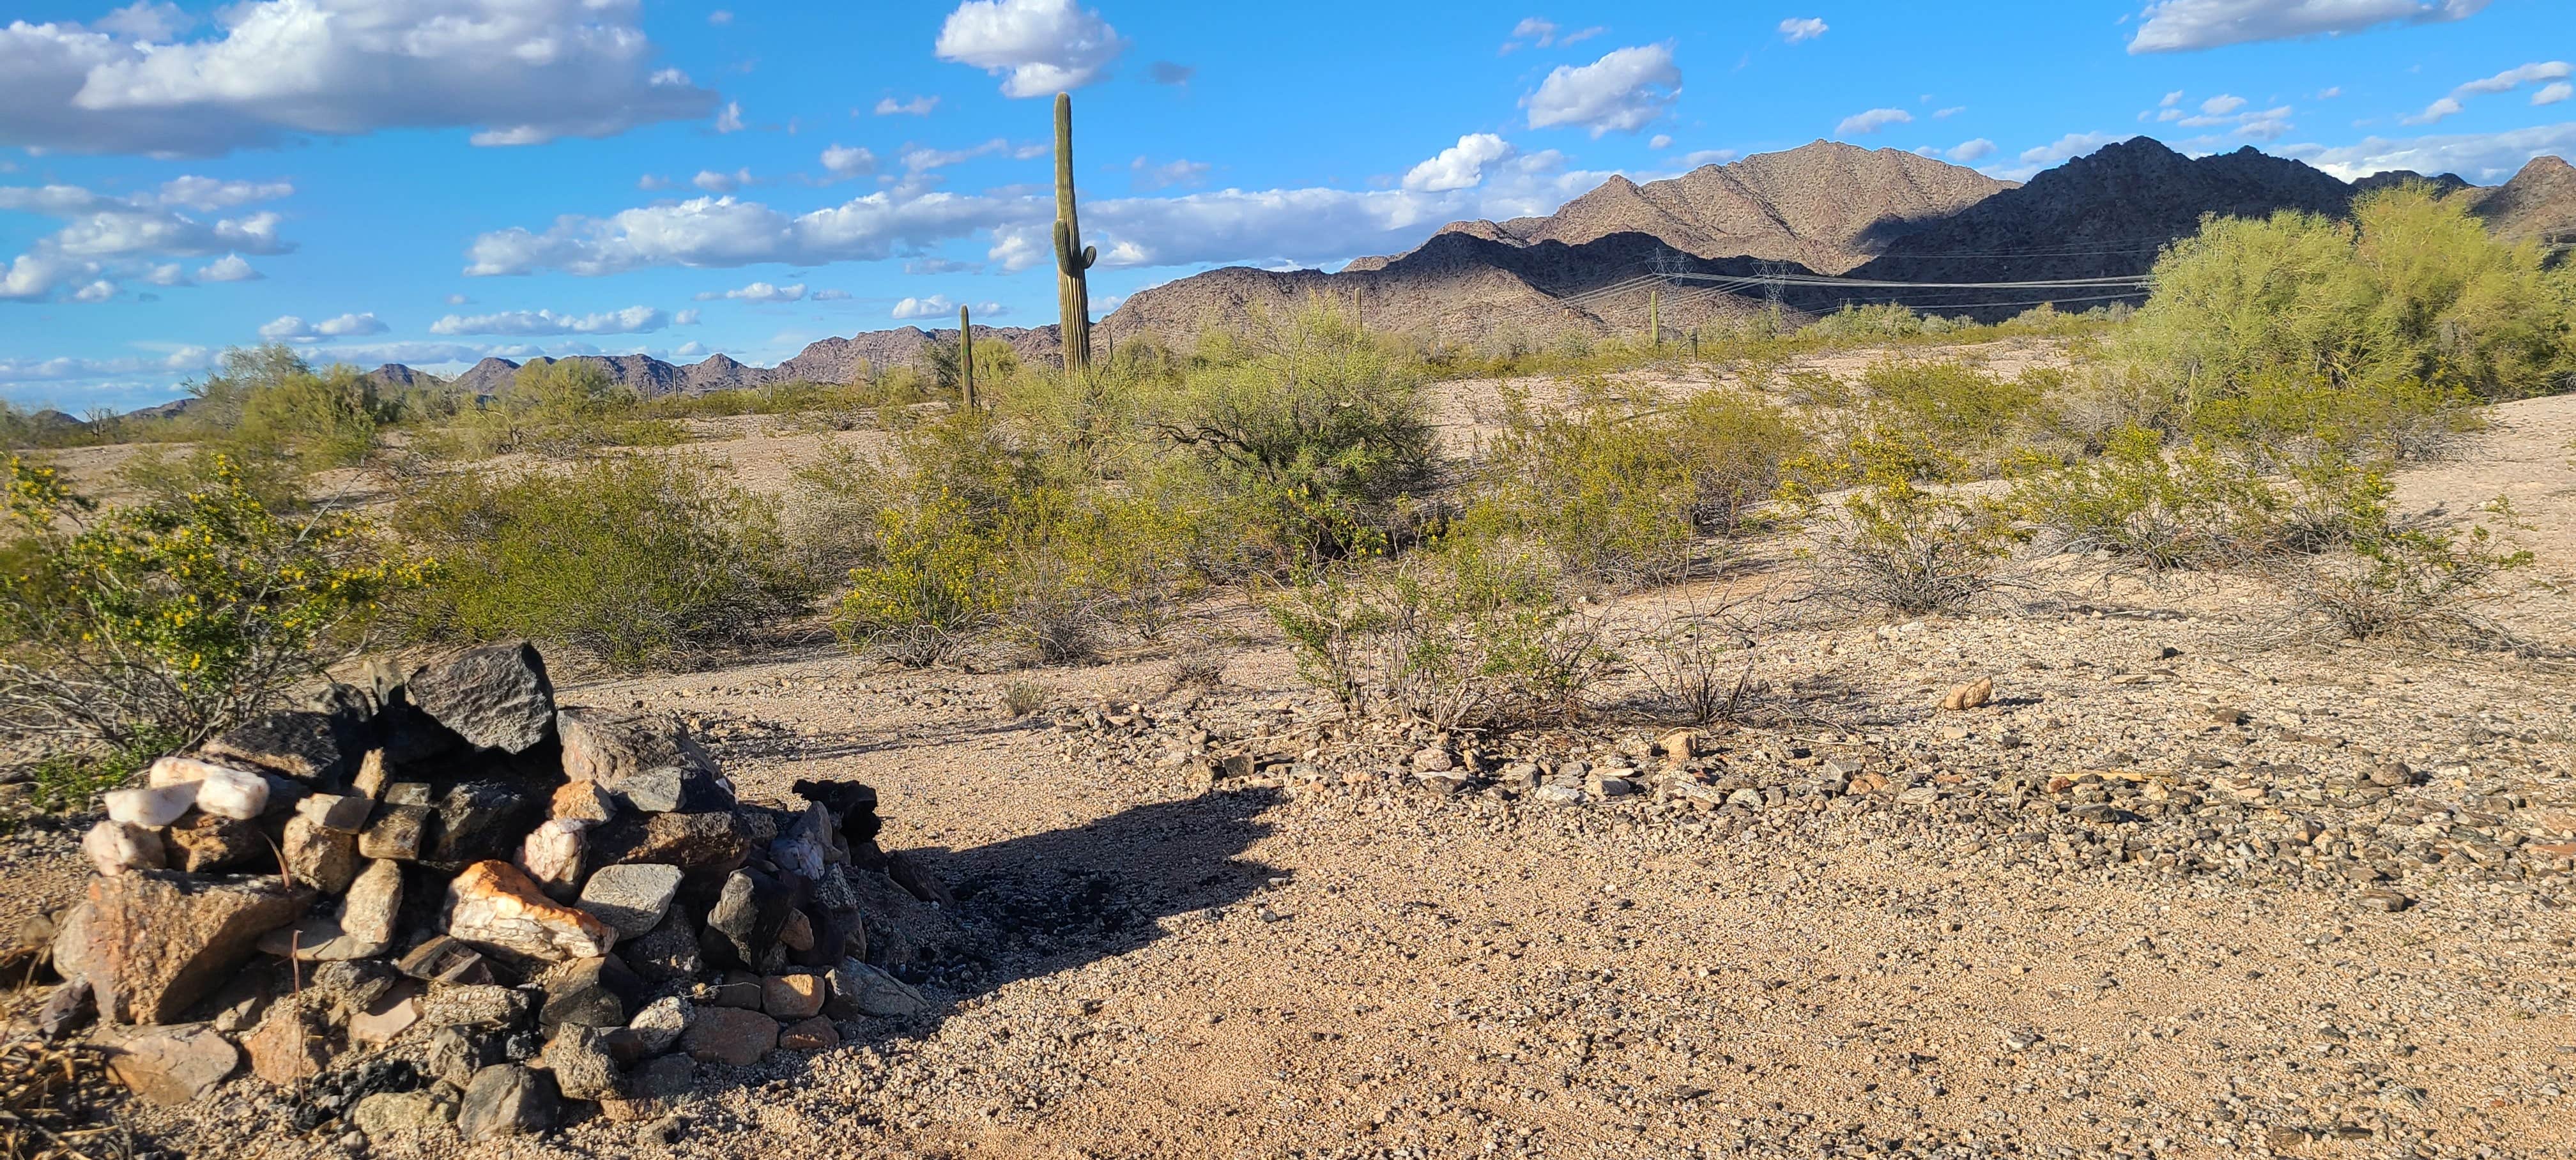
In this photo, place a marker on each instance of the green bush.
(1620, 493)
(2412, 289)
(175, 617)
(1464, 633)
(2406, 582)
(1896, 545)
(2188, 509)
(1318, 430)
(635, 559)
(935, 586)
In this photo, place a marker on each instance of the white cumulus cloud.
(516, 71)
(290, 328)
(1798, 28)
(934, 306)
(916, 107)
(101, 234)
(2552, 94)
(843, 161)
(1459, 166)
(1970, 151)
(229, 268)
(526, 323)
(1871, 121)
(2190, 25)
(757, 292)
(714, 182)
(2485, 158)
(2503, 82)
(1036, 46)
(1623, 91)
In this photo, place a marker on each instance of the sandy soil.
(1351, 966)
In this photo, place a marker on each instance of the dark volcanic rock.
(310, 746)
(494, 696)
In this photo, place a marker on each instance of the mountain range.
(1823, 208)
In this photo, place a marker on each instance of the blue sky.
(430, 181)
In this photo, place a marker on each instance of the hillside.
(2103, 214)
(1824, 205)
(2538, 204)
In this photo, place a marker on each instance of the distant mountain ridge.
(1877, 215)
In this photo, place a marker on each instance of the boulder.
(860, 989)
(669, 953)
(385, 1114)
(646, 760)
(338, 813)
(749, 913)
(582, 801)
(151, 805)
(232, 793)
(457, 1051)
(486, 1006)
(631, 898)
(506, 1099)
(373, 906)
(325, 858)
(290, 1046)
(580, 1063)
(661, 1023)
(306, 745)
(393, 1013)
(204, 843)
(791, 997)
(813, 1034)
(552, 857)
(493, 696)
(695, 842)
(398, 832)
(592, 992)
(652, 1091)
(115, 847)
(730, 1035)
(173, 1065)
(317, 938)
(151, 942)
(494, 906)
(480, 821)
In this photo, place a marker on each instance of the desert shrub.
(634, 559)
(174, 617)
(1878, 320)
(330, 419)
(2411, 289)
(1598, 484)
(1316, 431)
(2289, 418)
(1467, 632)
(2190, 508)
(1696, 663)
(1021, 698)
(1895, 543)
(1952, 412)
(2406, 580)
(934, 588)
(1618, 492)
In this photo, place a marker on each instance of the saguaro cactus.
(1072, 293)
(965, 360)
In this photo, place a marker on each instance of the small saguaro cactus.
(1073, 294)
(965, 360)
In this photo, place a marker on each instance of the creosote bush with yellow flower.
(162, 622)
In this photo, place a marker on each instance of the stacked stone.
(521, 902)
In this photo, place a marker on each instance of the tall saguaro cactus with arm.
(1072, 293)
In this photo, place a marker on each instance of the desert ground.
(2189, 886)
